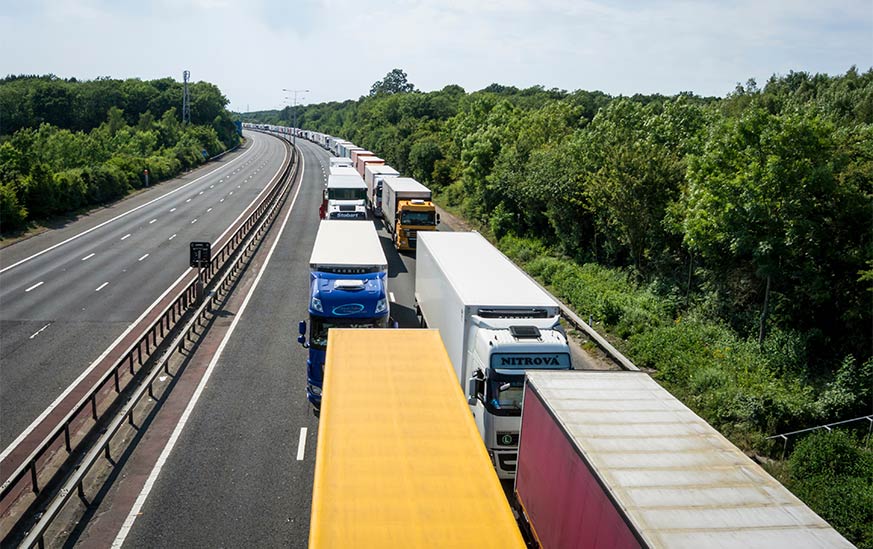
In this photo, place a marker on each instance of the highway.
(231, 462)
(67, 294)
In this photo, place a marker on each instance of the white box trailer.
(612, 459)
(400, 188)
(496, 324)
(340, 162)
(374, 177)
(335, 145)
(344, 170)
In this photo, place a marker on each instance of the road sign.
(201, 254)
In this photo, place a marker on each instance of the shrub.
(833, 474)
(12, 213)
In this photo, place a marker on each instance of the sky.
(336, 49)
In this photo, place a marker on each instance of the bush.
(833, 474)
(12, 213)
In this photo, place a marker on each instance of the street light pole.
(295, 92)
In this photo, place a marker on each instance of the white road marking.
(172, 237)
(230, 193)
(36, 333)
(172, 209)
(89, 256)
(222, 200)
(391, 296)
(100, 287)
(209, 210)
(201, 192)
(125, 236)
(189, 200)
(193, 222)
(143, 257)
(152, 221)
(301, 444)
(117, 217)
(35, 286)
(211, 186)
(174, 437)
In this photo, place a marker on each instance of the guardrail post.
(117, 387)
(94, 406)
(67, 438)
(34, 483)
(81, 490)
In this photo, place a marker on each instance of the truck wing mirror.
(438, 219)
(472, 385)
(301, 339)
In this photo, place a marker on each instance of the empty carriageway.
(66, 295)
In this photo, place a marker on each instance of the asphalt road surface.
(62, 304)
(240, 472)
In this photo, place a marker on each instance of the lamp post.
(294, 124)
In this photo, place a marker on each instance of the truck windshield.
(417, 218)
(321, 325)
(347, 194)
(503, 394)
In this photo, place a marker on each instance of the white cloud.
(338, 48)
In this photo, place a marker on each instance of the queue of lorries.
(594, 458)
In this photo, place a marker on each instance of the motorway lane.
(83, 294)
(233, 478)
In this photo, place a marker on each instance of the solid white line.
(301, 444)
(40, 330)
(125, 236)
(100, 287)
(152, 221)
(171, 442)
(89, 256)
(172, 209)
(35, 286)
(391, 295)
(193, 222)
(117, 217)
(143, 257)
(172, 237)
(130, 327)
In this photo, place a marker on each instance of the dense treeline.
(68, 144)
(725, 243)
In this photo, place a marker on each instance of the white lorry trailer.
(374, 177)
(407, 210)
(496, 323)
(340, 162)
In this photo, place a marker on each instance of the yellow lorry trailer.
(400, 462)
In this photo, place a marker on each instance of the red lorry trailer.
(611, 459)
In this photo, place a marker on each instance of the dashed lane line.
(100, 287)
(36, 333)
(89, 256)
(35, 286)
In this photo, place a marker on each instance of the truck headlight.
(315, 305)
(381, 305)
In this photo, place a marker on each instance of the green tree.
(394, 82)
